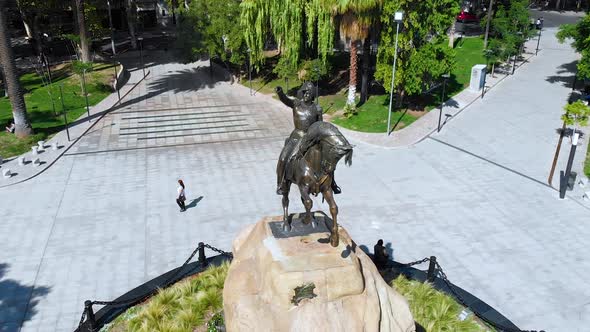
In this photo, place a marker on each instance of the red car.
(465, 17)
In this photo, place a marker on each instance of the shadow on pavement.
(566, 68)
(17, 301)
(187, 80)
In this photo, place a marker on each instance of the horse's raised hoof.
(286, 227)
(334, 240)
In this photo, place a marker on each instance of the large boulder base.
(270, 278)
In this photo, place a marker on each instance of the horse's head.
(332, 145)
(333, 148)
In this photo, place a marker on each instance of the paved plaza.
(103, 220)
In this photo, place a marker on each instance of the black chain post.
(431, 269)
(90, 314)
(202, 257)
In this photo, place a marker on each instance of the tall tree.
(422, 56)
(19, 110)
(579, 33)
(356, 17)
(32, 12)
(131, 12)
(209, 27)
(292, 24)
(84, 42)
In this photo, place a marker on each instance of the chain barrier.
(417, 262)
(451, 287)
(219, 251)
(165, 284)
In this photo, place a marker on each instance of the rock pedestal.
(297, 281)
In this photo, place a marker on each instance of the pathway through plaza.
(103, 220)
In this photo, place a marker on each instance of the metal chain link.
(424, 260)
(219, 251)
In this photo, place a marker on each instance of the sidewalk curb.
(79, 137)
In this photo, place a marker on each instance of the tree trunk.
(132, 21)
(84, 42)
(19, 110)
(557, 3)
(365, 72)
(452, 35)
(353, 73)
(26, 23)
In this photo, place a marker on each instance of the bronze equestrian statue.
(309, 158)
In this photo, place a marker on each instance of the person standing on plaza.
(181, 196)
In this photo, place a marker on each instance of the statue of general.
(305, 113)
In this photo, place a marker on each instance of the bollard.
(431, 269)
(202, 258)
(90, 315)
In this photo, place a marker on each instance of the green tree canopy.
(510, 26)
(576, 114)
(422, 58)
(580, 35)
(209, 26)
(294, 25)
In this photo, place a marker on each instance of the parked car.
(465, 17)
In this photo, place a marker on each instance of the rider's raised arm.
(283, 97)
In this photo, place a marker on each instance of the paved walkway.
(102, 219)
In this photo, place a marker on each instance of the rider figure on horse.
(305, 113)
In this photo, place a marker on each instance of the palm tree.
(19, 110)
(355, 19)
(84, 45)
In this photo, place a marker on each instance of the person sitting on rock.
(380, 255)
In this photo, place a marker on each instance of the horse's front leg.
(329, 196)
(286, 223)
(308, 203)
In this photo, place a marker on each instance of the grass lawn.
(372, 117)
(192, 304)
(39, 106)
(185, 306)
(433, 310)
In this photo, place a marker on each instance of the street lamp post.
(85, 93)
(116, 80)
(63, 109)
(249, 69)
(442, 99)
(538, 41)
(140, 40)
(568, 169)
(111, 25)
(513, 64)
(398, 17)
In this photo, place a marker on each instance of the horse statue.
(312, 167)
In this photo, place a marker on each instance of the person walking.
(181, 196)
